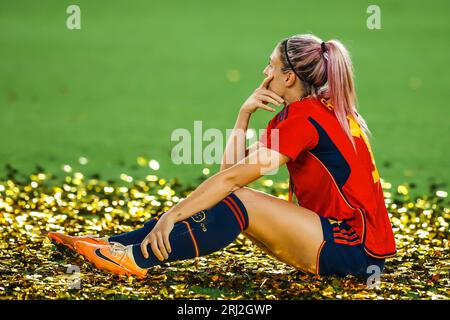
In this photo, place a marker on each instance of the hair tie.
(324, 47)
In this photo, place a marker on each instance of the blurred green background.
(116, 89)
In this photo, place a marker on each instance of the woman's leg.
(203, 233)
(289, 232)
(135, 236)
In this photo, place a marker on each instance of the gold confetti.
(142, 161)
(32, 268)
(153, 164)
(233, 75)
(83, 161)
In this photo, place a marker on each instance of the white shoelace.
(118, 250)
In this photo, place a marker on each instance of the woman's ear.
(289, 79)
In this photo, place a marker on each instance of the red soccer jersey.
(328, 176)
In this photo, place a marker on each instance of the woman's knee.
(243, 192)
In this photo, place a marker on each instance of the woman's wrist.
(243, 118)
(171, 215)
(245, 112)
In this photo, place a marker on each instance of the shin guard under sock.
(203, 233)
(135, 236)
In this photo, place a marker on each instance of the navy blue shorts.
(342, 253)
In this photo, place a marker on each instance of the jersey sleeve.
(291, 136)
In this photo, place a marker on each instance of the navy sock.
(203, 233)
(135, 236)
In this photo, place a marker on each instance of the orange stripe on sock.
(235, 213)
(238, 209)
(192, 237)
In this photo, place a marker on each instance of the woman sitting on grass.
(340, 225)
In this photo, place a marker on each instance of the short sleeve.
(291, 136)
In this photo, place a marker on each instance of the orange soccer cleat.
(115, 258)
(63, 241)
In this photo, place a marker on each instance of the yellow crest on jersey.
(327, 103)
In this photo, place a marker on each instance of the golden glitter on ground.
(32, 268)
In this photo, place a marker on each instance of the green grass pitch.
(137, 70)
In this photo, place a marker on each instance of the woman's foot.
(63, 241)
(115, 258)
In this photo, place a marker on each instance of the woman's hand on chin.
(261, 97)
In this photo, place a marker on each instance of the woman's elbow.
(231, 181)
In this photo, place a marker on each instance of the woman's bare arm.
(236, 145)
(217, 187)
(236, 149)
